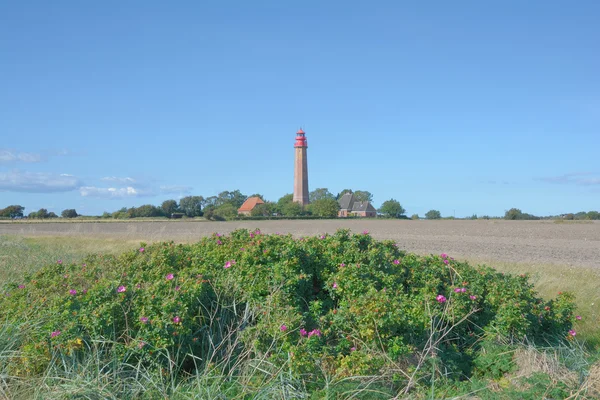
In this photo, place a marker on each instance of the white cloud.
(124, 181)
(113, 193)
(11, 156)
(37, 182)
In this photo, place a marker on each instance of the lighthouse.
(300, 169)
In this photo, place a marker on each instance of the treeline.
(323, 204)
(224, 206)
(516, 214)
(17, 211)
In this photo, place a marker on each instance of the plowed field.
(544, 242)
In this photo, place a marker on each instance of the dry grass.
(530, 361)
(21, 255)
(591, 386)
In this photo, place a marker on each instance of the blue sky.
(464, 107)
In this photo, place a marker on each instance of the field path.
(544, 242)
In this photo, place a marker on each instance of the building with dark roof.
(349, 207)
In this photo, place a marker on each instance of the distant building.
(351, 208)
(300, 169)
(249, 204)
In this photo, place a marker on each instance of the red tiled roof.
(250, 203)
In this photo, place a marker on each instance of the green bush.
(340, 305)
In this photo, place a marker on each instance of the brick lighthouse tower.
(300, 169)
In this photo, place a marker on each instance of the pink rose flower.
(314, 332)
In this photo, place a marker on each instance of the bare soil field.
(544, 242)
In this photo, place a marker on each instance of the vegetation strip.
(249, 312)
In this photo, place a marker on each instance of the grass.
(21, 255)
(550, 279)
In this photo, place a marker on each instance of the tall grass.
(98, 372)
(22, 255)
(551, 279)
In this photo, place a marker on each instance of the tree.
(260, 196)
(145, 211)
(320, 193)
(286, 198)
(433, 214)
(513, 214)
(288, 207)
(263, 210)
(363, 195)
(392, 209)
(192, 206)
(14, 211)
(209, 212)
(42, 213)
(226, 211)
(593, 215)
(235, 198)
(291, 209)
(343, 192)
(69, 213)
(169, 207)
(52, 214)
(210, 201)
(414, 216)
(325, 207)
(123, 213)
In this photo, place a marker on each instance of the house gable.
(249, 205)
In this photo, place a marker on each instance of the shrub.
(69, 213)
(339, 305)
(433, 214)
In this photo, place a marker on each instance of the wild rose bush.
(342, 304)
